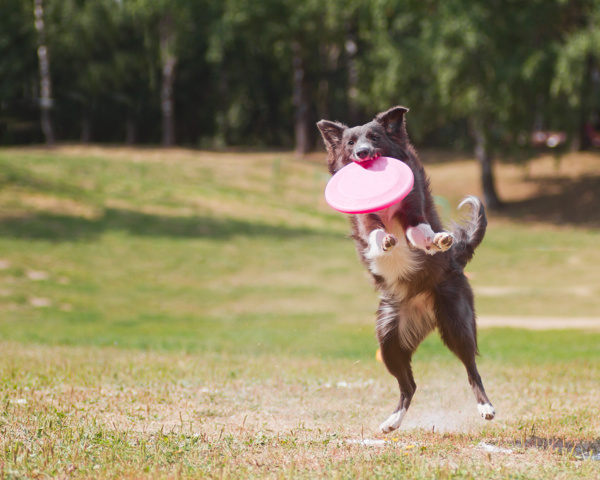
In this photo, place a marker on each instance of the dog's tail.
(470, 232)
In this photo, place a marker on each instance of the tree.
(577, 73)
(487, 65)
(167, 20)
(19, 66)
(304, 40)
(493, 66)
(44, 72)
(480, 74)
(393, 62)
(100, 66)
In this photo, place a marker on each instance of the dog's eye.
(375, 138)
(350, 142)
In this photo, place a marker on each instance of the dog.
(416, 265)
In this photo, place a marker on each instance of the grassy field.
(173, 314)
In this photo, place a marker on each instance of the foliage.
(510, 66)
(18, 64)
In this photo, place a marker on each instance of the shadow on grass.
(561, 201)
(16, 176)
(71, 228)
(580, 450)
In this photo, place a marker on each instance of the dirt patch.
(563, 191)
(559, 200)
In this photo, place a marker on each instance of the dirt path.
(539, 323)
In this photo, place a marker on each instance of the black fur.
(416, 266)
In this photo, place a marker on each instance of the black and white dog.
(417, 267)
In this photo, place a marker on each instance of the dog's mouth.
(366, 158)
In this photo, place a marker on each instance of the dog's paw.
(425, 239)
(393, 422)
(388, 242)
(421, 237)
(486, 410)
(443, 241)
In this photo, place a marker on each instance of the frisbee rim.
(397, 191)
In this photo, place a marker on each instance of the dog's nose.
(363, 152)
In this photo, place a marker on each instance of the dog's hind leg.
(456, 323)
(397, 359)
(397, 362)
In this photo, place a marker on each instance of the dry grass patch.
(124, 414)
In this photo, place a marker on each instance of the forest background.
(482, 75)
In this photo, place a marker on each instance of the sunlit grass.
(147, 248)
(121, 413)
(186, 314)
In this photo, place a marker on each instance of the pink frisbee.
(369, 186)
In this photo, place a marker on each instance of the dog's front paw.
(424, 238)
(443, 241)
(388, 242)
(420, 236)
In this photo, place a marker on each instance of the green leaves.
(513, 65)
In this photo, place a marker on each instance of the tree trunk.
(301, 101)
(580, 138)
(130, 128)
(488, 183)
(45, 78)
(329, 57)
(169, 61)
(86, 126)
(351, 51)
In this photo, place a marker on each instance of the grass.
(118, 413)
(535, 271)
(176, 314)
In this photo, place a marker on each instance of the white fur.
(387, 320)
(424, 238)
(438, 241)
(396, 265)
(417, 320)
(486, 410)
(398, 262)
(376, 244)
(393, 422)
(414, 319)
(473, 200)
(421, 236)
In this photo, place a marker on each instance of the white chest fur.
(411, 317)
(397, 264)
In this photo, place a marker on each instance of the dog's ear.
(392, 120)
(332, 133)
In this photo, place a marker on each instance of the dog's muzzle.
(363, 153)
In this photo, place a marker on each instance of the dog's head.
(384, 136)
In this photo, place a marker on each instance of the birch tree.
(167, 20)
(43, 53)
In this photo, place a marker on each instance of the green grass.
(204, 252)
(543, 271)
(185, 314)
